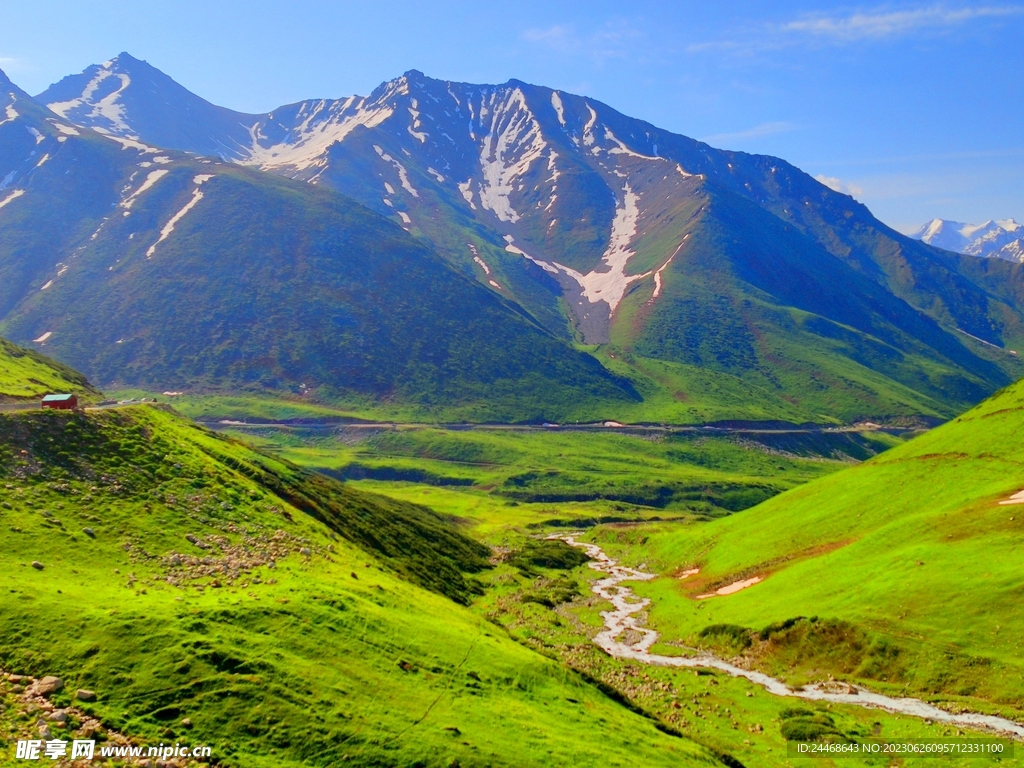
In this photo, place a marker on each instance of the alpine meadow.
(468, 425)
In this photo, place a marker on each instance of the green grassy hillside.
(179, 574)
(24, 373)
(903, 572)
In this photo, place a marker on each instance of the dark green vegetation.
(569, 478)
(183, 575)
(903, 573)
(24, 374)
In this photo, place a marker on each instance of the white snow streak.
(657, 274)
(13, 196)
(43, 159)
(42, 339)
(323, 126)
(36, 135)
(12, 114)
(403, 175)
(467, 193)
(436, 175)
(588, 129)
(197, 195)
(610, 285)
(405, 217)
(622, 149)
(512, 144)
(556, 102)
(151, 179)
(520, 252)
(106, 108)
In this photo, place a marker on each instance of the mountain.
(676, 262)
(908, 563)
(151, 268)
(993, 239)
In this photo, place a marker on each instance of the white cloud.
(764, 129)
(614, 40)
(878, 25)
(840, 186)
(861, 26)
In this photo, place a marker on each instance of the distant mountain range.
(993, 239)
(571, 253)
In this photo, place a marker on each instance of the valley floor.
(514, 487)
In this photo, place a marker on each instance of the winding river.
(623, 619)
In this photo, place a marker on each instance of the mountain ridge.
(585, 219)
(999, 239)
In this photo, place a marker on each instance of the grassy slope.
(25, 373)
(909, 557)
(504, 479)
(327, 654)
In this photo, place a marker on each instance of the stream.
(624, 619)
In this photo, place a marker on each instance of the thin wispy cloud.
(764, 129)
(877, 25)
(860, 26)
(614, 40)
(840, 186)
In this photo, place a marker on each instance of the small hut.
(60, 402)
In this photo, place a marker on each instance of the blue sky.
(917, 109)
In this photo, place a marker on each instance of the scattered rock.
(58, 716)
(306, 551)
(89, 532)
(191, 537)
(187, 722)
(19, 678)
(37, 565)
(83, 694)
(49, 684)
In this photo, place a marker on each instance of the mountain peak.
(991, 238)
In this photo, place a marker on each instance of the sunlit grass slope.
(25, 373)
(180, 574)
(511, 478)
(910, 564)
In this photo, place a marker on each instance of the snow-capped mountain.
(129, 98)
(605, 229)
(562, 181)
(992, 239)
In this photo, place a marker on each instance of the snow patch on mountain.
(513, 142)
(511, 248)
(467, 193)
(588, 129)
(556, 102)
(107, 109)
(403, 175)
(151, 178)
(1002, 239)
(416, 134)
(622, 149)
(11, 113)
(197, 195)
(323, 124)
(610, 284)
(12, 197)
